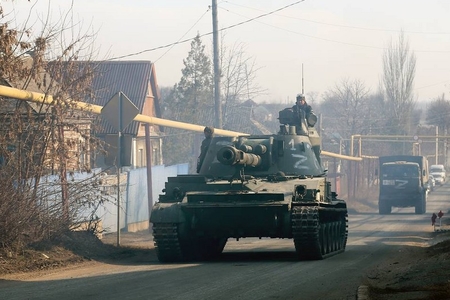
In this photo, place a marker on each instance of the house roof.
(26, 84)
(132, 78)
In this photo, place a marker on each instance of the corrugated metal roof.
(130, 77)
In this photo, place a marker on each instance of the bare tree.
(313, 98)
(42, 146)
(399, 69)
(438, 113)
(238, 77)
(346, 107)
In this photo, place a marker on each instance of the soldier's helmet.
(300, 97)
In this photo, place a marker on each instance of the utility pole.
(445, 148)
(437, 145)
(217, 102)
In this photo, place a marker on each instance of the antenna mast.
(303, 90)
(217, 103)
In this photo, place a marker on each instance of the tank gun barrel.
(229, 155)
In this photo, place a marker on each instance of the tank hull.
(204, 219)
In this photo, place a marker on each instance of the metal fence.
(134, 204)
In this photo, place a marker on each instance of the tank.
(263, 186)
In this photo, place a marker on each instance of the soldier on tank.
(208, 131)
(301, 110)
(301, 104)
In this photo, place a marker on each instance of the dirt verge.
(75, 248)
(414, 273)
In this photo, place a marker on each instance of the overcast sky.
(333, 40)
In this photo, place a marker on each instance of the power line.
(209, 8)
(433, 84)
(339, 25)
(334, 41)
(209, 33)
(312, 36)
(261, 16)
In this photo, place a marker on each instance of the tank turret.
(294, 151)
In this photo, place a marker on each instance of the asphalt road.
(248, 269)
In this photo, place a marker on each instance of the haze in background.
(333, 39)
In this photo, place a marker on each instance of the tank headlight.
(312, 120)
(300, 191)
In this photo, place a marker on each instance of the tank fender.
(167, 213)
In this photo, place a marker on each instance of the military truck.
(403, 183)
(263, 186)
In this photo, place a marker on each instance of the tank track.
(312, 239)
(315, 240)
(167, 245)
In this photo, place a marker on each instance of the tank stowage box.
(253, 186)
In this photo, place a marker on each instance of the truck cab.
(403, 183)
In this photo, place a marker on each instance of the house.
(137, 81)
(38, 131)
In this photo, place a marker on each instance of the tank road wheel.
(322, 240)
(167, 245)
(330, 237)
(326, 237)
(335, 236)
(338, 235)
